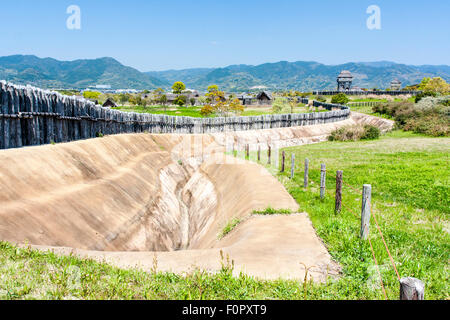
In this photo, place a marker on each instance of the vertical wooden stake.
(306, 177)
(365, 211)
(283, 158)
(338, 205)
(323, 176)
(269, 153)
(411, 289)
(234, 150)
(247, 152)
(292, 166)
(259, 153)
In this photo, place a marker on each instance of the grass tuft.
(270, 210)
(229, 227)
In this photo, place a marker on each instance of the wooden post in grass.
(365, 211)
(306, 177)
(269, 151)
(292, 166)
(234, 150)
(338, 205)
(259, 153)
(323, 176)
(411, 289)
(283, 158)
(247, 152)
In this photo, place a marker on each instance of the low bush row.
(355, 133)
(430, 116)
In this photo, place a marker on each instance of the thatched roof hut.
(264, 98)
(109, 103)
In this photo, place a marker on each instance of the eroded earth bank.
(128, 198)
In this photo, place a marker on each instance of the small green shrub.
(422, 95)
(430, 124)
(340, 98)
(370, 133)
(355, 133)
(206, 110)
(321, 99)
(180, 100)
(431, 116)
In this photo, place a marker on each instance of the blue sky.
(160, 35)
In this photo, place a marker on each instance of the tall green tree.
(91, 95)
(163, 101)
(213, 87)
(214, 95)
(424, 83)
(279, 104)
(293, 100)
(178, 87)
(157, 94)
(123, 98)
(437, 85)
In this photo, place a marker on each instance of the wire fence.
(410, 288)
(372, 215)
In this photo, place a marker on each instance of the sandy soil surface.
(127, 198)
(266, 247)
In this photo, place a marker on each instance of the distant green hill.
(51, 73)
(304, 76)
(300, 75)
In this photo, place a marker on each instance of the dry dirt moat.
(127, 198)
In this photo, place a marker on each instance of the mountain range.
(300, 75)
(79, 74)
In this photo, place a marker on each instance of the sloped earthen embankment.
(125, 198)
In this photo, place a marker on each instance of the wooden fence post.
(306, 177)
(283, 158)
(338, 205)
(259, 153)
(323, 176)
(411, 289)
(292, 166)
(247, 152)
(269, 151)
(365, 211)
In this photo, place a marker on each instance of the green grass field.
(410, 176)
(410, 181)
(194, 111)
(190, 111)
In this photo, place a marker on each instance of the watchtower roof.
(345, 74)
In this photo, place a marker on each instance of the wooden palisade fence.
(31, 116)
